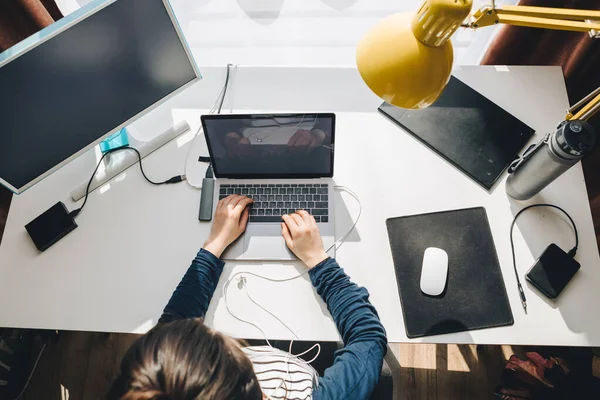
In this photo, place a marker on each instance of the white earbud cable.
(243, 283)
(220, 100)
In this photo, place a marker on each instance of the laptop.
(284, 162)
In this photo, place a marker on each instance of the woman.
(183, 359)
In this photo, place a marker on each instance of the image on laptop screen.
(271, 146)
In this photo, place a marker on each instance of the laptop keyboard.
(271, 201)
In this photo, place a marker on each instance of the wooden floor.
(81, 365)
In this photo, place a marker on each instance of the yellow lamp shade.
(401, 69)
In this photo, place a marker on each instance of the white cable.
(32, 371)
(277, 280)
(225, 287)
(341, 239)
(243, 281)
(289, 354)
(317, 345)
(221, 99)
(232, 78)
(187, 158)
(267, 311)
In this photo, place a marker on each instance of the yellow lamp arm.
(549, 18)
(406, 59)
(590, 105)
(538, 17)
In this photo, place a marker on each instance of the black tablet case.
(468, 130)
(475, 295)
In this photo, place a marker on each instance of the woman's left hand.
(229, 222)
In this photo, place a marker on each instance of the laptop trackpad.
(265, 247)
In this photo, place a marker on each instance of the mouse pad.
(475, 295)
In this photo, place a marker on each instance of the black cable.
(571, 252)
(175, 179)
(225, 88)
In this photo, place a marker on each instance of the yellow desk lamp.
(407, 58)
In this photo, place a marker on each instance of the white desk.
(135, 241)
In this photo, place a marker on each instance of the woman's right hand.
(229, 222)
(303, 238)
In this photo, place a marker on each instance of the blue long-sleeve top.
(356, 367)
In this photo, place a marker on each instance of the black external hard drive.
(51, 226)
(552, 271)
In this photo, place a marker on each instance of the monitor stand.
(120, 161)
(115, 141)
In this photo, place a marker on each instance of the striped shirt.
(282, 375)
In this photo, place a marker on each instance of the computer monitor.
(84, 78)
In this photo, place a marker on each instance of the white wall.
(293, 32)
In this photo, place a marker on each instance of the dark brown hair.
(185, 360)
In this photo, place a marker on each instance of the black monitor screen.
(81, 84)
(271, 146)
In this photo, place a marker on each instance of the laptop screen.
(271, 145)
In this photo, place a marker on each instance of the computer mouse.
(434, 271)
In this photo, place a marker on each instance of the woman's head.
(185, 360)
